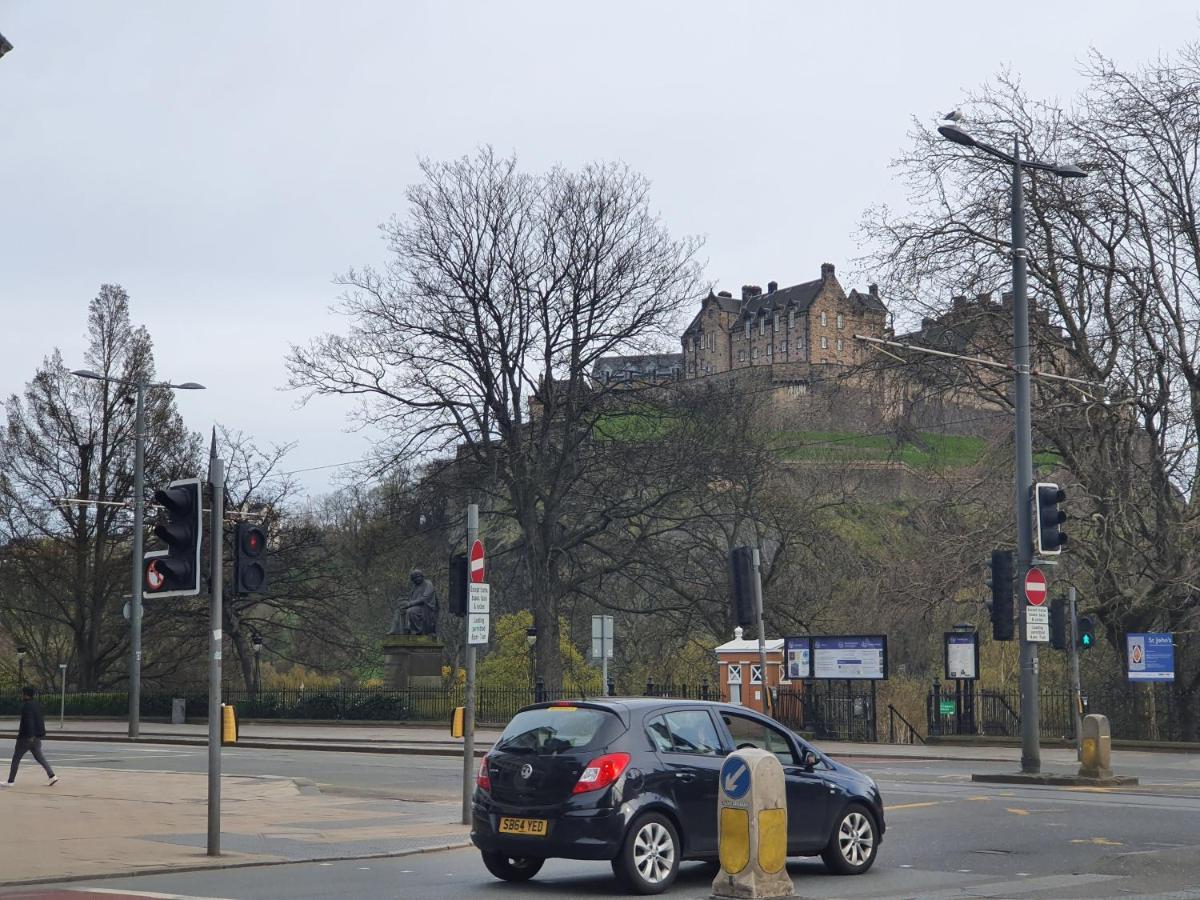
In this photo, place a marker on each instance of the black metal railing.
(906, 733)
(1135, 712)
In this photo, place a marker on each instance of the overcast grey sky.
(224, 160)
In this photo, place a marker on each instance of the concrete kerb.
(1050, 779)
(219, 863)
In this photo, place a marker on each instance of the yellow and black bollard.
(752, 827)
(229, 725)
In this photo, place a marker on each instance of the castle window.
(792, 317)
(762, 325)
(754, 355)
(841, 320)
(741, 356)
(824, 342)
(783, 346)
(824, 320)
(747, 329)
(712, 340)
(770, 349)
(839, 345)
(776, 323)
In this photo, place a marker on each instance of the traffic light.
(741, 565)
(1085, 628)
(175, 572)
(249, 566)
(1050, 538)
(458, 584)
(1001, 583)
(1058, 623)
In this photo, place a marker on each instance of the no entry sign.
(476, 565)
(1035, 587)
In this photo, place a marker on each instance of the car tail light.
(601, 772)
(483, 780)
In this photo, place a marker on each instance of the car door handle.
(685, 776)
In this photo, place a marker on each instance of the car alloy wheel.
(653, 852)
(856, 839)
(854, 844)
(649, 857)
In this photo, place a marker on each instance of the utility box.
(178, 711)
(229, 725)
(1095, 759)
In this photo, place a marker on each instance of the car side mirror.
(810, 759)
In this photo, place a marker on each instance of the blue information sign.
(735, 778)
(798, 657)
(850, 656)
(1151, 657)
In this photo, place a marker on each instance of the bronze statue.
(419, 614)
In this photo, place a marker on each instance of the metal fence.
(494, 706)
(1146, 712)
(830, 710)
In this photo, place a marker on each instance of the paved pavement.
(99, 821)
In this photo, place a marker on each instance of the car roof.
(642, 704)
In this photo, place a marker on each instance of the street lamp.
(20, 667)
(257, 642)
(1030, 752)
(135, 603)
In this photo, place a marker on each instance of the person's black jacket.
(32, 723)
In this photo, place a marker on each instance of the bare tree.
(481, 334)
(1115, 263)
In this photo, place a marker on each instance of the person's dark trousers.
(26, 745)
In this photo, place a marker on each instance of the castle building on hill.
(809, 324)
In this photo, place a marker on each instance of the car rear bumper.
(571, 834)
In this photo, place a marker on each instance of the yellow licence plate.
(531, 827)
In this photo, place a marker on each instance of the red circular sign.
(477, 562)
(1035, 587)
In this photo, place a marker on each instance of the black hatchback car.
(635, 781)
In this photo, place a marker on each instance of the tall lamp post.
(135, 603)
(20, 667)
(1031, 762)
(256, 641)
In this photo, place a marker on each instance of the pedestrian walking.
(29, 737)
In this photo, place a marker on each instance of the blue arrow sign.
(735, 778)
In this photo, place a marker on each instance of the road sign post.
(477, 633)
(216, 477)
(602, 647)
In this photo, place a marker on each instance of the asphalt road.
(947, 837)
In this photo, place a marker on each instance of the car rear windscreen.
(559, 729)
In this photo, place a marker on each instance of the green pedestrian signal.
(1085, 627)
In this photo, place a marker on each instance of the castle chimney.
(826, 271)
(772, 287)
(725, 294)
(958, 302)
(873, 291)
(751, 290)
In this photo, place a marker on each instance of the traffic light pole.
(1075, 674)
(758, 621)
(216, 477)
(1031, 762)
(135, 602)
(469, 700)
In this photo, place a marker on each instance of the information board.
(962, 655)
(1037, 624)
(850, 656)
(1151, 657)
(798, 656)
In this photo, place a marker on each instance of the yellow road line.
(1017, 812)
(1098, 841)
(915, 805)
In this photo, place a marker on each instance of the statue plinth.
(412, 661)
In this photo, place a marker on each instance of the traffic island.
(1095, 767)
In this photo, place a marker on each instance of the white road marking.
(149, 895)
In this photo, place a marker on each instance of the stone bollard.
(1096, 748)
(752, 827)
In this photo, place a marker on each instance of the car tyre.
(649, 857)
(512, 868)
(854, 842)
